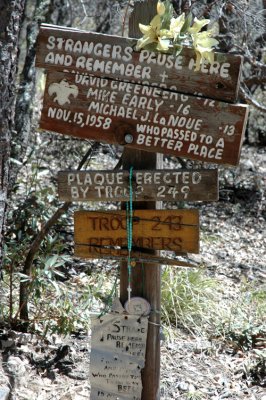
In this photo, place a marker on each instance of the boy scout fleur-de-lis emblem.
(63, 91)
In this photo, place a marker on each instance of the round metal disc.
(138, 306)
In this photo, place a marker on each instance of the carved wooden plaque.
(86, 53)
(143, 117)
(166, 185)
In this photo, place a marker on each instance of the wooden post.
(146, 278)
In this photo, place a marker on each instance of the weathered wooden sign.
(167, 185)
(118, 345)
(99, 233)
(114, 57)
(143, 117)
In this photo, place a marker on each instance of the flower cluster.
(166, 33)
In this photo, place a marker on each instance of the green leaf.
(187, 23)
(177, 49)
(260, 353)
(49, 262)
(143, 42)
(56, 287)
(151, 46)
(59, 273)
(156, 23)
(14, 161)
(168, 14)
(23, 277)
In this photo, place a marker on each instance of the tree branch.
(254, 80)
(255, 63)
(34, 248)
(250, 100)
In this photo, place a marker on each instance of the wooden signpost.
(166, 185)
(99, 87)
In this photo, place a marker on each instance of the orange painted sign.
(105, 232)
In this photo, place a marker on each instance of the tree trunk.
(11, 16)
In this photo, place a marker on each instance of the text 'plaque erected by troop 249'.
(99, 233)
(167, 185)
(145, 109)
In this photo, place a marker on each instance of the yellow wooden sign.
(105, 233)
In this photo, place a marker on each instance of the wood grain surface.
(144, 118)
(60, 48)
(166, 185)
(172, 230)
